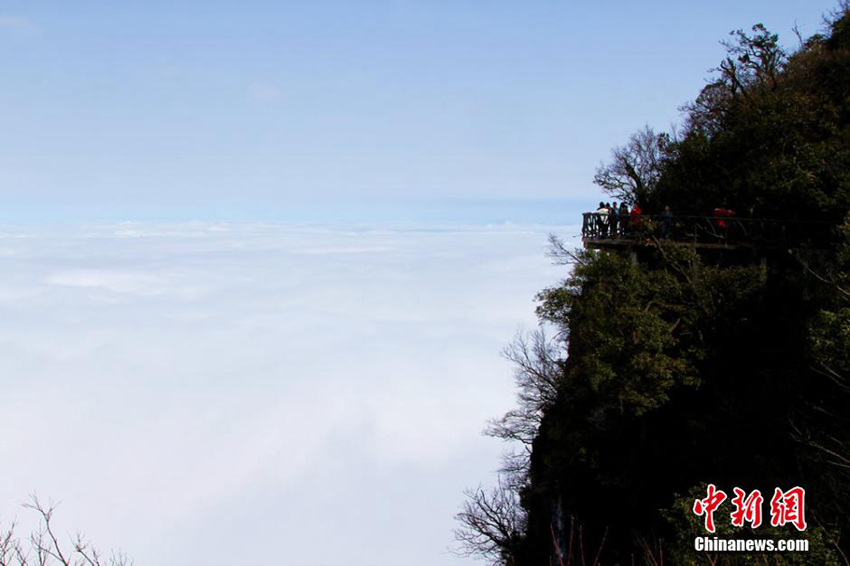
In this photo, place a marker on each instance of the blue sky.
(331, 110)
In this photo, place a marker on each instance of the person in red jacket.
(721, 214)
(634, 215)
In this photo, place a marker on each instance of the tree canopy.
(766, 137)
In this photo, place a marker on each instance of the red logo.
(747, 509)
(788, 507)
(785, 507)
(709, 505)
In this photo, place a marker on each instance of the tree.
(767, 136)
(492, 524)
(752, 61)
(43, 547)
(635, 168)
(538, 366)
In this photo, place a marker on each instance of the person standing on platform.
(613, 220)
(667, 223)
(602, 220)
(623, 218)
(635, 218)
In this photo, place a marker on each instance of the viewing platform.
(702, 232)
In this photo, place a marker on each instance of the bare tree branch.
(44, 548)
(492, 524)
(538, 366)
(635, 168)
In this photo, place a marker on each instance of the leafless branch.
(635, 168)
(492, 523)
(559, 253)
(43, 547)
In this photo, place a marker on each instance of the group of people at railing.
(720, 226)
(611, 221)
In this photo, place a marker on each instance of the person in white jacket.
(602, 219)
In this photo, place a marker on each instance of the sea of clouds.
(220, 394)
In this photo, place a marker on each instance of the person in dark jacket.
(623, 218)
(613, 220)
(666, 222)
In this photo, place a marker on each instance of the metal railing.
(704, 229)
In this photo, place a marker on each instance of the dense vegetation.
(685, 368)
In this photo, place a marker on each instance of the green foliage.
(822, 426)
(830, 337)
(638, 331)
(641, 378)
(769, 137)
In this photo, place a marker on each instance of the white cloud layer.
(225, 394)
